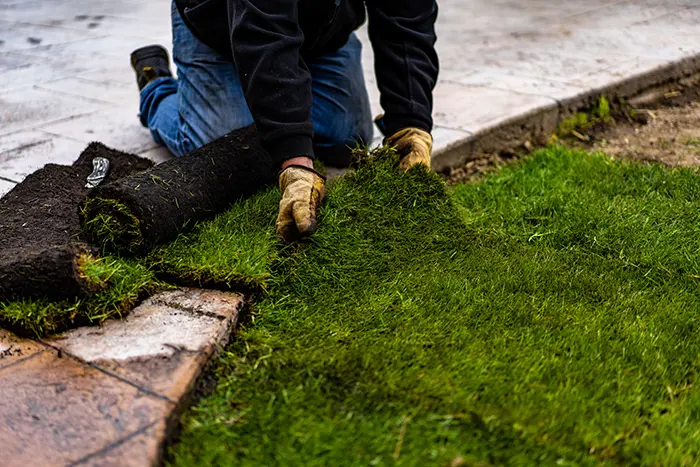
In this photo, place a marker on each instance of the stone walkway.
(108, 396)
(511, 70)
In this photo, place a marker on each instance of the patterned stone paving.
(107, 395)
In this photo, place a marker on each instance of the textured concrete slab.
(501, 61)
(21, 71)
(23, 36)
(30, 150)
(5, 186)
(26, 109)
(475, 108)
(108, 395)
(120, 95)
(510, 80)
(53, 408)
(117, 127)
(128, 452)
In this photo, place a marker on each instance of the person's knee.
(335, 145)
(357, 129)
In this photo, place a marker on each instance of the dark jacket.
(269, 41)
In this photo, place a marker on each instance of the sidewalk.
(65, 78)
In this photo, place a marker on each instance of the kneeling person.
(294, 69)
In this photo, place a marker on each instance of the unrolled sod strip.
(145, 209)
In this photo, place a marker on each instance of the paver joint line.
(108, 373)
(113, 445)
(180, 307)
(21, 360)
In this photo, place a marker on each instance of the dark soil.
(39, 226)
(172, 197)
(668, 131)
(662, 127)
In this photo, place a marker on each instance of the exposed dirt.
(664, 129)
(171, 197)
(39, 226)
(671, 134)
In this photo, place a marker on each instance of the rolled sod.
(140, 211)
(41, 252)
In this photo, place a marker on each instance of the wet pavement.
(65, 78)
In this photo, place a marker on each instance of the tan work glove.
(303, 190)
(413, 145)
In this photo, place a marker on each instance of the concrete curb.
(538, 124)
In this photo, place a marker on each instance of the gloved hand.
(303, 190)
(413, 146)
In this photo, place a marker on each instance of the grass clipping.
(545, 316)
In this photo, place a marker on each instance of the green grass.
(236, 249)
(115, 285)
(112, 225)
(582, 121)
(546, 315)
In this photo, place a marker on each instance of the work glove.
(303, 191)
(413, 146)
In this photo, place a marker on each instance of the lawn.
(545, 315)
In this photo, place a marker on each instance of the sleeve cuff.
(290, 147)
(394, 124)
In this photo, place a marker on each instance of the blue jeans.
(206, 100)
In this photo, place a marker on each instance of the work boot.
(149, 63)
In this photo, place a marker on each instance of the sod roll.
(142, 210)
(145, 209)
(40, 247)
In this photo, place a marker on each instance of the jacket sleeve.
(266, 41)
(402, 33)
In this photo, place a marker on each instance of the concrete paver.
(129, 452)
(107, 395)
(53, 407)
(20, 71)
(107, 126)
(26, 109)
(476, 108)
(120, 95)
(33, 150)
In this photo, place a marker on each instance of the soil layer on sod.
(143, 210)
(50, 278)
(543, 316)
(40, 245)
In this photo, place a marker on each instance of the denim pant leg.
(340, 111)
(204, 103)
(207, 100)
